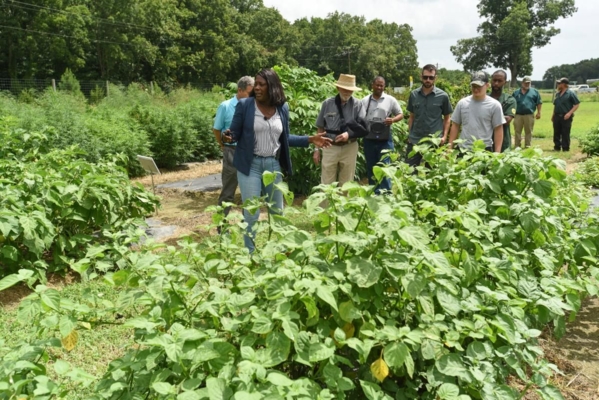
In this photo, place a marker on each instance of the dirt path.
(578, 354)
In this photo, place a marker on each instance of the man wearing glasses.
(430, 110)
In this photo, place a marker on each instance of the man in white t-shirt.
(480, 117)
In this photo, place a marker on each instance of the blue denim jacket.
(242, 130)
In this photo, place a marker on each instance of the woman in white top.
(261, 128)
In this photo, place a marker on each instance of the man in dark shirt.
(430, 110)
(508, 104)
(343, 117)
(564, 106)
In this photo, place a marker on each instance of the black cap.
(479, 78)
(563, 80)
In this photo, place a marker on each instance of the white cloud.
(438, 24)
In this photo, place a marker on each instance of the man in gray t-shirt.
(480, 116)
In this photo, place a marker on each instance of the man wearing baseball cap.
(564, 106)
(527, 100)
(343, 119)
(480, 117)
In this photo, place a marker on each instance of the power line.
(158, 47)
(32, 7)
(70, 37)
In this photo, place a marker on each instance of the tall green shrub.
(69, 83)
(54, 205)
(589, 143)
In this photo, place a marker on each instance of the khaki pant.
(528, 123)
(339, 163)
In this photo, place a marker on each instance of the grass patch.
(95, 348)
(573, 156)
(586, 118)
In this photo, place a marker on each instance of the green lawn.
(586, 118)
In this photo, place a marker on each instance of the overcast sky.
(438, 24)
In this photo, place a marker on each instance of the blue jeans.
(252, 186)
(373, 151)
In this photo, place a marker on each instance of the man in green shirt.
(527, 100)
(430, 111)
(508, 104)
(564, 106)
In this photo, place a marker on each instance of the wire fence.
(90, 88)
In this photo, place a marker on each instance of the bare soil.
(578, 354)
(11, 297)
(182, 173)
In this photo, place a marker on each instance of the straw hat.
(347, 82)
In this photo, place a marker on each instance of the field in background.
(586, 118)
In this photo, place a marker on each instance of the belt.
(230, 144)
(525, 114)
(344, 143)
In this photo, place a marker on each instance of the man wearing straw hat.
(343, 119)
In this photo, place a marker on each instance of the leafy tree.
(510, 30)
(342, 43)
(201, 42)
(453, 76)
(40, 40)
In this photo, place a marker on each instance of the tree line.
(579, 72)
(178, 42)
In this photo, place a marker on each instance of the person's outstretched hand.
(320, 140)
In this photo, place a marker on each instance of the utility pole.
(349, 59)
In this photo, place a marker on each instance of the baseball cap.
(479, 78)
(563, 80)
(527, 79)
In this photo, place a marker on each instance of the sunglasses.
(427, 78)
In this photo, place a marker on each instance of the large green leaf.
(452, 365)
(448, 391)
(13, 279)
(218, 389)
(362, 272)
(448, 301)
(395, 354)
(348, 312)
(326, 294)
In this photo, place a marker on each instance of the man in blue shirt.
(222, 122)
